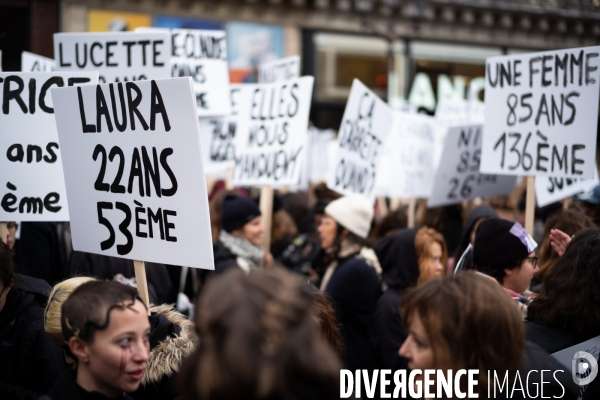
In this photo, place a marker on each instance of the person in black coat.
(351, 279)
(403, 267)
(478, 214)
(29, 360)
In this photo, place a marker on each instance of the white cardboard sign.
(134, 171)
(32, 186)
(549, 189)
(541, 113)
(279, 70)
(366, 123)
(272, 132)
(218, 136)
(117, 56)
(33, 63)
(457, 178)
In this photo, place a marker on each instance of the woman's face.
(519, 279)
(436, 268)
(327, 232)
(253, 231)
(10, 236)
(116, 359)
(419, 351)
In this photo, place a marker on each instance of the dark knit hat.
(496, 248)
(237, 211)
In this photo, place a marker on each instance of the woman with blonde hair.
(409, 257)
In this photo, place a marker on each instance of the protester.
(568, 222)
(391, 223)
(259, 340)
(504, 251)
(109, 340)
(172, 339)
(447, 220)
(10, 235)
(328, 322)
(408, 257)
(477, 215)
(352, 276)
(29, 361)
(467, 322)
(283, 232)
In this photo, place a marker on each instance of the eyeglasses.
(533, 260)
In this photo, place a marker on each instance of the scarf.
(347, 249)
(251, 256)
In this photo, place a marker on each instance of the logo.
(584, 368)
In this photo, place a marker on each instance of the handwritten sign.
(32, 187)
(33, 63)
(272, 132)
(218, 136)
(458, 178)
(551, 189)
(366, 123)
(279, 70)
(118, 57)
(541, 113)
(133, 171)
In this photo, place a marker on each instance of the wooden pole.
(210, 183)
(395, 203)
(3, 232)
(412, 207)
(266, 209)
(142, 283)
(530, 205)
(229, 179)
(382, 207)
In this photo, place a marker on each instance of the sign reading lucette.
(133, 171)
(32, 186)
(541, 113)
(367, 121)
(272, 133)
(118, 57)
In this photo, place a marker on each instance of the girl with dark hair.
(351, 278)
(259, 340)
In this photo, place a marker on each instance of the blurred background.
(410, 52)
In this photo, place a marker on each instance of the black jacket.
(353, 290)
(398, 259)
(65, 388)
(224, 259)
(30, 360)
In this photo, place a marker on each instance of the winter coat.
(105, 267)
(30, 360)
(66, 388)
(398, 259)
(38, 252)
(172, 339)
(353, 289)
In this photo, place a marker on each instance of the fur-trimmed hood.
(167, 356)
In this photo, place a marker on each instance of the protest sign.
(117, 56)
(550, 189)
(33, 186)
(319, 158)
(33, 63)
(457, 177)
(133, 171)
(218, 136)
(366, 123)
(271, 132)
(541, 113)
(279, 70)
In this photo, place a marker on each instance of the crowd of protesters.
(341, 287)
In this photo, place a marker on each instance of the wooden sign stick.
(229, 179)
(3, 232)
(266, 209)
(412, 207)
(530, 205)
(142, 283)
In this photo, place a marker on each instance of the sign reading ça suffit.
(133, 171)
(550, 189)
(279, 70)
(458, 178)
(33, 63)
(32, 187)
(541, 113)
(218, 136)
(270, 147)
(118, 57)
(366, 123)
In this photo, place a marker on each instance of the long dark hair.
(570, 296)
(336, 248)
(7, 266)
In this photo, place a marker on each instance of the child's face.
(118, 355)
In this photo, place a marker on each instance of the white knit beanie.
(354, 212)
